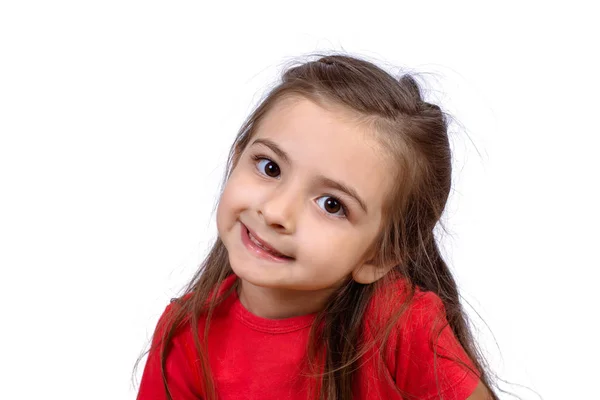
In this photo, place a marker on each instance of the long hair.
(414, 132)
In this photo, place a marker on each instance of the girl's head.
(311, 182)
(343, 169)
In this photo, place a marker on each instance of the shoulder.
(412, 317)
(421, 350)
(179, 311)
(407, 305)
(401, 317)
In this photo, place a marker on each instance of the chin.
(258, 273)
(273, 277)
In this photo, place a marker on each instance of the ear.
(368, 273)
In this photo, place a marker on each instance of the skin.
(480, 393)
(289, 212)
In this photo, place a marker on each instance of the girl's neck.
(281, 303)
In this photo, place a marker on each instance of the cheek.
(221, 215)
(336, 249)
(344, 248)
(233, 200)
(226, 209)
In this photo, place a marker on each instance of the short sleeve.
(419, 373)
(178, 370)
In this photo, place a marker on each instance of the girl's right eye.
(267, 167)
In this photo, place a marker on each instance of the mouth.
(261, 248)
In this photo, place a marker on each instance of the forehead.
(329, 142)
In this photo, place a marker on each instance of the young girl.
(325, 281)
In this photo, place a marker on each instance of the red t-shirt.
(256, 358)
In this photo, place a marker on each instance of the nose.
(280, 208)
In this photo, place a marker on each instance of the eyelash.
(346, 212)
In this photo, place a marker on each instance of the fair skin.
(286, 188)
(310, 184)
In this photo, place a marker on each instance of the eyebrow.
(273, 146)
(342, 188)
(323, 180)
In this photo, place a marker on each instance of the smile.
(260, 248)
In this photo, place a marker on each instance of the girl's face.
(305, 199)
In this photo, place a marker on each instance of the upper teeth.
(256, 242)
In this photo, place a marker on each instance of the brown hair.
(415, 132)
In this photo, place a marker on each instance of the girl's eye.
(268, 167)
(332, 206)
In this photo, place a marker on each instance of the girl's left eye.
(268, 167)
(332, 206)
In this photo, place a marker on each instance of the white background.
(116, 118)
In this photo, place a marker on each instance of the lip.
(258, 251)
